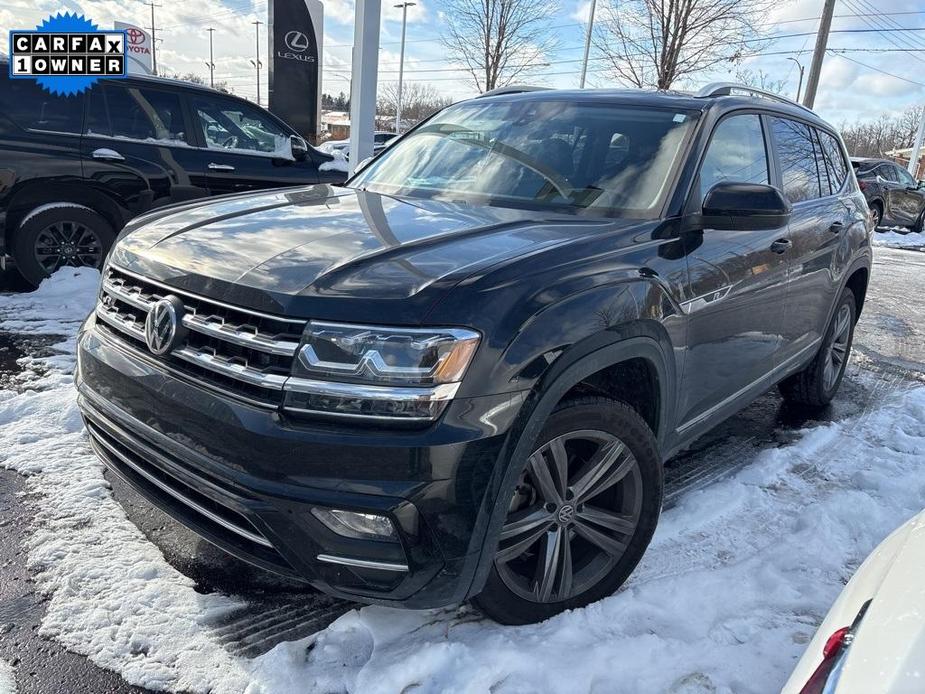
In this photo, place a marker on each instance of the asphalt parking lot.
(889, 354)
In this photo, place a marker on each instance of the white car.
(380, 139)
(873, 639)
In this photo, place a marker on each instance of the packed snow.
(738, 575)
(898, 237)
(7, 678)
(338, 163)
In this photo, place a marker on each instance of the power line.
(875, 69)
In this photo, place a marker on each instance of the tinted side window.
(97, 122)
(145, 114)
(905, 177)
(736, 153)
(230, 125)
(29, 106)
(797, 157)
(888, 173)
(834, 159)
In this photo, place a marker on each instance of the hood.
(303, 252)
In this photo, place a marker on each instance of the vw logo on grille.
(163, 326)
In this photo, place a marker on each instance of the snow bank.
(738, 576)
(892, 238)
(7, 678)
(57, 307)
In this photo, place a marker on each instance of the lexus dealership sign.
(296, 31)
(137, 48)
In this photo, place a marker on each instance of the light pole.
(401, 61)
(584, 65)
(257, 64)
(211, 63)
(153, 39)
(800, 84)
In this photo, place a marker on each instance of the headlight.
(378, 372)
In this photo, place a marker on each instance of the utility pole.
(800, 83)
(257, 64)
(401, 61)
(916, 148)
(211, 63)
(584, 65)
(822, 38)
(153, 38)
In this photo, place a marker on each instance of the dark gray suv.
(459, 375)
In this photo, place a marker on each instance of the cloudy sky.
(853, 86)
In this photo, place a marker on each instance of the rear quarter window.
(27, 105)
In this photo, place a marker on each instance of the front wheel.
(59, 235)
(581, 516)
(817, 384)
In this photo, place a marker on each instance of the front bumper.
(246, 478)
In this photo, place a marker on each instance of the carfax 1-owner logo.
(67, 53)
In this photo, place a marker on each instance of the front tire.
(581, 516)
(817, 384)
(58, 236)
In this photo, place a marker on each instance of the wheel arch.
(639, 342)
(35, 194)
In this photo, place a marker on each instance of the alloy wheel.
(572, 516)
(67, 243)
(838, 350)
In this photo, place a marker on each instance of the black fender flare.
(586, 361)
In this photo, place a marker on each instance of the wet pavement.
(889, 353)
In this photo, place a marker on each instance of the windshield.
(573, 157)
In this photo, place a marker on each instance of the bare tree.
(655, 43)
(760, 80)
(874, 138)
(498, 41)
(418, 101)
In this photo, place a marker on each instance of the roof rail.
(726, 89)
(512, 89)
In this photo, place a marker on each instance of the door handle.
(836, 227)
(107, 154)
(220, 167)
(781, 245)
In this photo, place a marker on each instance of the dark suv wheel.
(60, 235)
(817, 384)
(581, 515)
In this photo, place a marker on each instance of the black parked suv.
(893, 195)
(459, 376)
(74, 170)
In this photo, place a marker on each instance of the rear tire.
(919, 223)
(818, 383)
(876, 214)
(575, 531)
(59, 236)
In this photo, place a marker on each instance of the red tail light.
(830, 652)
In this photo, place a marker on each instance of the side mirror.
(299, 148)
(745, 207)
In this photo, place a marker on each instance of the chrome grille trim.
(240, 337)
(237, 344)
(226, 368)
(197, 297)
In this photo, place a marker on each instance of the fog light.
(361, 526)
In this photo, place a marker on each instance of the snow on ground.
(898, 237)
(7, 678)
(738, 575)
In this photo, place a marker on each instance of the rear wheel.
(919, 223)
(876, 214)
(581, 516)
(59, 236)
(817, 384)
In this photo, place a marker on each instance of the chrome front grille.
(241, 352)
